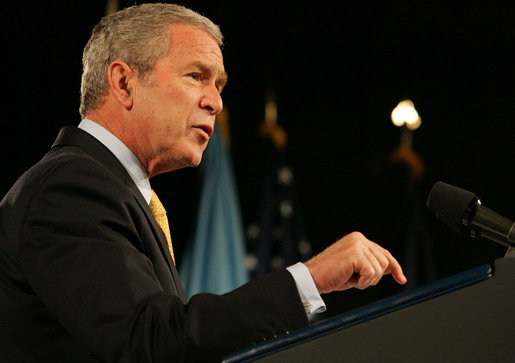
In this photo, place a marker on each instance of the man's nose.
(212, 100)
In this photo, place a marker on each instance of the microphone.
(463, 211)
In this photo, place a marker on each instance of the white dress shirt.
(308, 292)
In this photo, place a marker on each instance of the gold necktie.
(159, 213)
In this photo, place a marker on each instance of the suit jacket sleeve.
(83, 252)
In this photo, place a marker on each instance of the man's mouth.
(206, 128)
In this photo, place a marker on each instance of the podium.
(468, 317)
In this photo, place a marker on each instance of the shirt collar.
(123, 154)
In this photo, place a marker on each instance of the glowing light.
(405, 114)
(414, 125)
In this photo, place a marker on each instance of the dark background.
(338, 69)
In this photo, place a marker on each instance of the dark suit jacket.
(85, 273)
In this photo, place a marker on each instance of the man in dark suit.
(86, 271)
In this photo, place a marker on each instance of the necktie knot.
(159, 212)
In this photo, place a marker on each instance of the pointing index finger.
(395, 269)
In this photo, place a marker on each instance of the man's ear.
(120, 77)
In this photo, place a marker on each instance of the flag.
(276, 240)
(214, 260)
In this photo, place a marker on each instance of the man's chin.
(193, 160)
(189, 161)
(195, 164)
(196, 156)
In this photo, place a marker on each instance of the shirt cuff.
(313, 303)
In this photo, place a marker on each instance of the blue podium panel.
(469, 316)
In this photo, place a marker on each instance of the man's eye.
(195, 76)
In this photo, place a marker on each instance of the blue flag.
(214, 260)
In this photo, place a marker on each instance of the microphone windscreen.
(449, 203)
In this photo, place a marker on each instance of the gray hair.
(138, 36)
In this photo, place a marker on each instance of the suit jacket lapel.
(73, 136)
(163, 245)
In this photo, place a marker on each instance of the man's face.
(174, 109)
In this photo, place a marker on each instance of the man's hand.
(353, 261)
